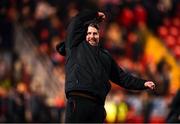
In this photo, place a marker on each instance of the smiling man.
(92, 36)
(89, 68)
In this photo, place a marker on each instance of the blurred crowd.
(32, 72)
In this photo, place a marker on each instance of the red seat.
(157, 119)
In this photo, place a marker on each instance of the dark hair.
(95, 25)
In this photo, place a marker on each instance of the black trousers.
(83, 110)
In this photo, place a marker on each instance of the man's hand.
(101, 16)
(150, 85)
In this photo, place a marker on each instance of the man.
(88, 70)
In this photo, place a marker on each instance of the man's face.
(92, 36)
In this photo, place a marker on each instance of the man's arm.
(126, 80)
(77, 29)
(60, 48)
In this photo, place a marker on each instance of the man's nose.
(92, 36)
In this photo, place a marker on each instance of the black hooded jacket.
(89, 68)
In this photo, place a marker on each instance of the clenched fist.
(150, 85)
(101, 16)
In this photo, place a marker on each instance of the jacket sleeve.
(60, 48)
(76, 32)
(124, 79)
